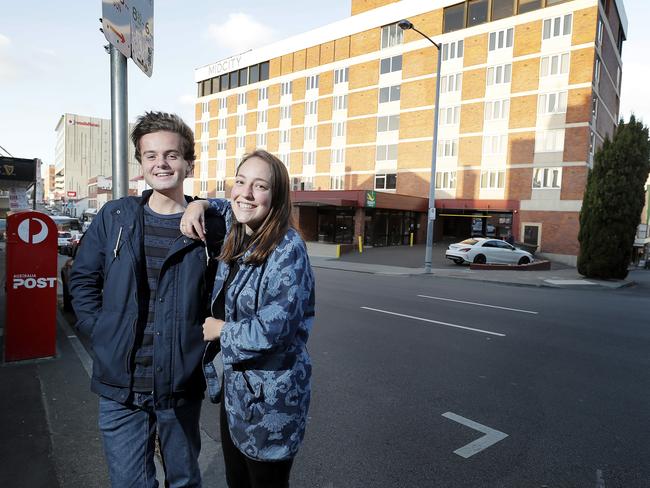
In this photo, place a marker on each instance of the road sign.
(72, 194)
(116, 24)
(142, 34)
(432, 214)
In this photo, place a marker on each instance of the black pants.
(243, 472)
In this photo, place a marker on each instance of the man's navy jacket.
(109, 289)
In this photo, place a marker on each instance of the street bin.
(31, 276)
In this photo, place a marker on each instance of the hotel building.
(528, 90)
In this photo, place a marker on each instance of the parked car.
(65, 277)
(72, 243)
(481, 251)
(64, 240)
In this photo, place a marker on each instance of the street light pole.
(431, 214)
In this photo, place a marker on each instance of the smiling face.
(251, 193)
(163, 166)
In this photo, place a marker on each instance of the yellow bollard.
(338, 251)
(360, 245)
(411, 240)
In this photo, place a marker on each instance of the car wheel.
(458, 261)
(479, 259)
(523, 260)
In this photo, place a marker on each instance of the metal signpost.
(128, 27)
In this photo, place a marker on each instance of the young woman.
(265, 281)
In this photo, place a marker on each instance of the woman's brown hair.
(275, 225)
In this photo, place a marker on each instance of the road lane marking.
(435, 322)
(600, 481)
(479, 304)
(491, 437)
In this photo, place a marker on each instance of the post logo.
(32, 230)
(31, 281)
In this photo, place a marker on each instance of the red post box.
(31, 266)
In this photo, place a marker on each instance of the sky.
(52, 58)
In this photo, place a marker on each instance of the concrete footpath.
(409, 261)
(48, 416)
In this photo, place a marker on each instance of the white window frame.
(495, 144)
(447, 148)
(388, 123)
(502, 39)
(311, 107)
(500, 74)
(262, 117)
(449, 115)
(548, 178)
(338, 155)
(549, 140)
(492, 179)
(223, 124)
(310, 132)
(311, 82)
(445, 180)
(497, 109)
(392, 93)
(309, 158)
(340, 102)
(554, 65)
(386, 152)
(384, 176)
(453, 50)
(552, 103)
(557, 26)
(451, 83)
(390, 65)
(261, 139)
(285, 136)
(337, 182)
(341, 75)
(391, 35)
(286, 88)
(285, 112)
(339, 129)
(263, 94)
(241, 99)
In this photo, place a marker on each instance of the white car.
(64, 240)
(481, 251)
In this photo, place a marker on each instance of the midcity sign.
(224, 66)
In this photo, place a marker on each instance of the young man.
(141, 291)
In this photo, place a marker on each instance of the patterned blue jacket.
(266, 366)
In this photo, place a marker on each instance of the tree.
(613, 201)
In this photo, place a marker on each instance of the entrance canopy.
(359, 199)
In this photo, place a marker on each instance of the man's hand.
(212, 329)
(193, 221)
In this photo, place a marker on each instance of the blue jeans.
(129, 433)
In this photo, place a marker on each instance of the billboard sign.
(17, 169)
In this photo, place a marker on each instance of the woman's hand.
(193, 221)
(212, 329)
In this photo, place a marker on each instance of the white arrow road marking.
(435, 322)
(479, 304)
(491, 436)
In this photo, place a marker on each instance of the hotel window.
(449, 115)
(309, 158)
(221, 145)
(477, 12)
(204, 147)
(454, 17)
(447, 148)
(205, 107)
(261, 140)
(445, 180)
(386, 181)
(391, 35)
(552, 103)
(493, 179)
(241, 99)
(594, 108)
(557, 26)
(547, 178)
(451, 83)
(223, 103)
(599, 32)
(263, 94)
(389, 94)
(501, 39)
(498, 75)
(388, 123)
(338, 156)
(528, 5)
(497, 109)
(285, 136)
(387, 152)
(390, 65)
(597, 71)
(241, 120)
(312, 82)
(285, 88)
(262, 117)
(223, 83)
(205, 128)
(341, 76)
(551, 140)
(336, 182)
(243, 77)
(558, 64)
(311, 108)
(310, 133)
(204, 186)
(341, 102)
(339, 129)
(495, 144)
(502, 9)
(221, 185)
(241, 142)
(223, 124)
(453, 50)
(285, 112)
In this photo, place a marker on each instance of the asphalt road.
(562, 381)
(568, 384)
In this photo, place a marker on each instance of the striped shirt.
(160, 232)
